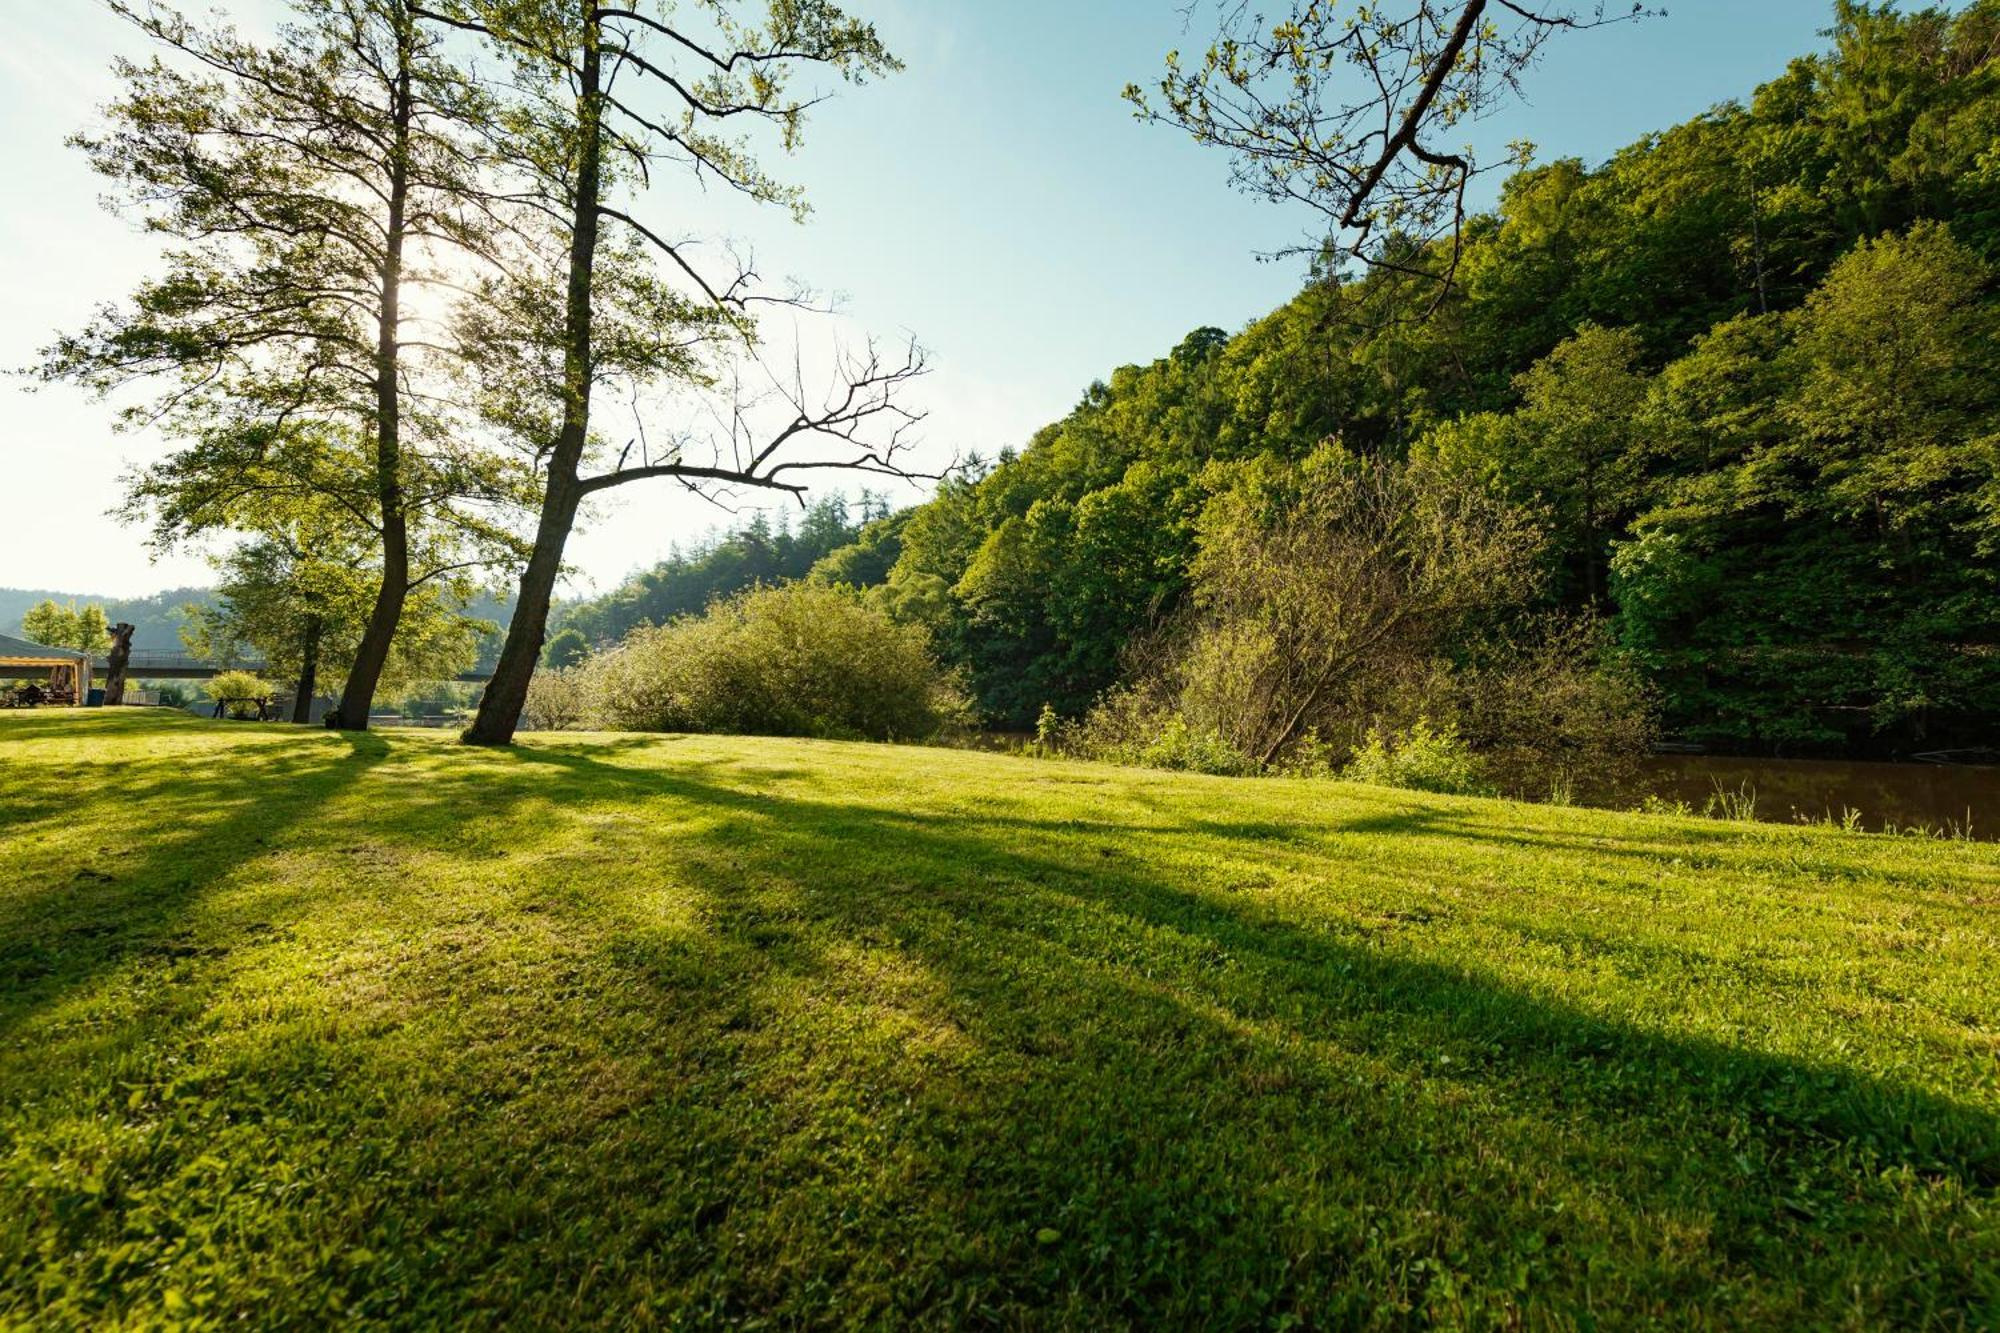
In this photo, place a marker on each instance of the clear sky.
(997, 200)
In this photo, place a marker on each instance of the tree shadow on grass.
(897, 1064)
(1177, 1081)
(1766, 848)
(196, 816)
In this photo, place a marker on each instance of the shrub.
(1367, 616)
(1321, 590)
(556, 700)
(1179, 746)
(238, 691)
(1049, 728)
(1128, 726)
(1311, 756)
(1054, 736)
(1423, 758)
(798, 659)
(1320, 584)
(1555, 711)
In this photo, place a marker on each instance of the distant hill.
(500, 611)
(156, 620)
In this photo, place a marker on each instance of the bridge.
(145, 664)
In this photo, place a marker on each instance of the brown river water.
(1953, 799)
(1961, 799)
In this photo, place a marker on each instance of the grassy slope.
(615, 1028)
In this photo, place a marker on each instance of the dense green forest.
(1742, 379)
(1746, 372)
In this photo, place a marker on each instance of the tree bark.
(507, 693)
(358, 698)
(302, 697)
(121, 653)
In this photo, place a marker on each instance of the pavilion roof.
(20, 652)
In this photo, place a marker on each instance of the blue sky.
(997, 199)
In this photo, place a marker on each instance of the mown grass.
(297, 1028)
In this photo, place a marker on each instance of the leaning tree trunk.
(302, 697)
(121, 654)
(507, 693)
(358, 698)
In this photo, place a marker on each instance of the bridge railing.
(145, 662)
(142, 660)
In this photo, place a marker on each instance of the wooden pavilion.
(68, 669)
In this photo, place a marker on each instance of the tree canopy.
(67, 625)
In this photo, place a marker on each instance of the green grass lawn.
(297, 1027)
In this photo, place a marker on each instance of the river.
(1949, 798)
(1953, 799)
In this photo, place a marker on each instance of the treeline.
(156, 620)
(762, 551)
(1744, 377)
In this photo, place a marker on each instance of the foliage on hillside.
(1746, 368)
(156, 620)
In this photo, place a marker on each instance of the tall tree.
(1576, 442)
(66, 625)
(303, 186)
(273, 601)
(610, 96)
(301, 587)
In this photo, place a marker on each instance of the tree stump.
(121, 653)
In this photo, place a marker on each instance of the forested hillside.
(156, 620)
(762, 550)
(1745, 374)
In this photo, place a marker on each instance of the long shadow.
(198, 816)
(1909, 1126)
(1349, 1053)
(1204, 1100)
(1771, 847)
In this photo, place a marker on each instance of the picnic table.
(264, 704)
